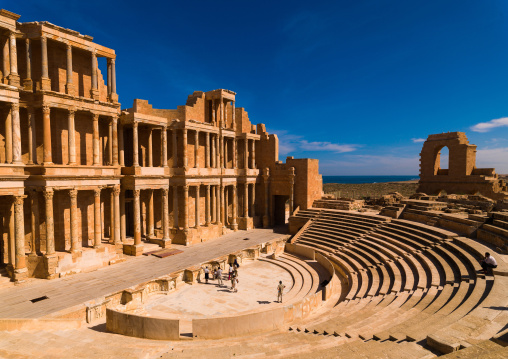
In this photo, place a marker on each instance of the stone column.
(184, 139)
(135, 147)
(97, 218)
(13, 76)
(253, 157)
(266, 180)
(234, 223)
(16, 134)
(213, 112)
(109, 77)
(121, 153)
(112, 238)
(27, 82)
(8, 136)
(233, 119)
(45, 81)
(114, 126)
(291, 190)
(186, 207)
(71, 137)
(46, 129)
(246, 154)
(114, 96)
(117, 221)
(20, 232)
(196, 149)
(12, 234)
(196, 207)
(207, 149)
(175, 207)
(96, 154)
(94, 92)
(221, 152)
(150, 148)
(252, 201)
(222, 206)
(213, 158)
(109, 162)
(218, 145)
(207, 206)
(137, 218)
(6, 69)
(50, 228)
(164, 141)
(32, 151)
(73, 194)
(123, 229)
(165, 214)
(69, 86)
(221, 113)
(225, 152)
(217, 204)
(150, 214)
(175, 149)
(34, 221)
(234, 153)
(246, 200)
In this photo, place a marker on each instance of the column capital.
(72, 111)
(46, 108)
(165, 192)
(48, 193)
(136, 192)
(95, 116)
(186, 187)
(114, 119)
(73, 193)
(97, 191)
(18, 200)
(116, 190)
(44, 38)
(135, 124)
(68, 46)
(15, 106)
(112, 60)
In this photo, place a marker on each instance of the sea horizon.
(368, 179)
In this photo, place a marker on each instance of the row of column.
(13, 135)
(216, 149)
(113, 143)
(223, 113)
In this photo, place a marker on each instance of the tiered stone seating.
(497, 232)
(406, 281)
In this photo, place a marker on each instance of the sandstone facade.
(84, 183)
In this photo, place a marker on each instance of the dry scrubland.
(360, 190)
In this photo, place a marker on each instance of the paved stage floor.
(79, 288)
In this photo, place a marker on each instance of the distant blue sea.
(367, 179)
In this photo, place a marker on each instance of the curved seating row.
(405, 280)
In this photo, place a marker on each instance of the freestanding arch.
(462, 176)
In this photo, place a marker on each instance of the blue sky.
(357, 84)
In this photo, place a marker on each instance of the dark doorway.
(129, 213)
(280, 207)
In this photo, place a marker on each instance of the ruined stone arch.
(438, 170)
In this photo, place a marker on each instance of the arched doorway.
(442, 161)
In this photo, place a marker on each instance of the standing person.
(219, 276)
(488, 262)
(280, 290)
(236, 263)
(207, 274)
(230, 272)
(234, 283)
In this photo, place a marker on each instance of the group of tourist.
(217, 275)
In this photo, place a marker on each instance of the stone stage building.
(83, 182)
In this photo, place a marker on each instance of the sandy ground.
(360, 190)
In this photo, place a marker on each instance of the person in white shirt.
(219, 276)
(488, 262)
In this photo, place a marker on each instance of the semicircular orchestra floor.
(257, 290)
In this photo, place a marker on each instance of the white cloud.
(493, 158)
(289, 143)
(487, 126)
(418, 140)
(326, 146)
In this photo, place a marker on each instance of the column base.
(133, 249)
(234, 226)
(51, 263)
(266, 222)
(69, 89)
(45, 84)
(14, 80)
(28, 84)
(20, 274)
(245, 223)
(163, 243)
(94, 94)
